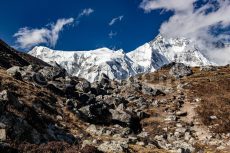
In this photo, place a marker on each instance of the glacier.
(120, 65)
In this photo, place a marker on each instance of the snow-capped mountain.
(119, 65)
(90, 64)
(161, 51)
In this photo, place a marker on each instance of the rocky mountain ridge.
(174, 109)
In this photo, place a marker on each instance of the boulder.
(52, 73)
(126, 119)
(55, 89)
(4, 95)
(15, 72)
(39, 79)
(86, 99)
(120, 115)
(208, 68)
(9, 97)
(95, 113)
(151, 91)
(104, 80)
(70, 91)
(2, 132)
(179, 70)
(97, 89)
(83, 86)
(181, 113)
(114, 146)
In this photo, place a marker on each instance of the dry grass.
(214, 90)
(140, 149)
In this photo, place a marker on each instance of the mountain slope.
(10, 57)
(118, 65)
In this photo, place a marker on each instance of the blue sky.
(88, 32)
(116, 24)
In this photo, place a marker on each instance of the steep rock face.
(119, 65)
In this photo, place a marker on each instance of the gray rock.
(9, 97)
(126, 119)
(15, 72)
(181, 113)
(2, 132)
(39, 78)
(83, 86)
(151, 91)
(104, 80)
(95, 113)
(208, 68)
(4, 95)
(52, 73)
(121, 116)
(114, 146)
(179, 70)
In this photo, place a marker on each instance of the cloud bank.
(27, 38)
(197, 23)
(114, 20)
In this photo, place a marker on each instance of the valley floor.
(150, 113)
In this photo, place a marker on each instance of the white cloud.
(177, 5)
(112, 34)
(55, 29)
(195, 23)
(86, 12)
(114, 20)
(27, 38)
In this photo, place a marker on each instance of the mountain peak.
(119, 65)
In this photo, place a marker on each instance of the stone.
(9, 96)
(143, 134)
(4, 95)
(39, 79)
(2, 132)
(181, 113)
(86, 99)
(120, 115)
(70, 91)
(140, 143)
(141, 115)
(208, 68)
(151, 91)
(113, 146)
(126, 119)
(15, 72)
(83, 86)
(170, 118)
(52, 73)
(179, 70)
(213, 117)
(92, 129)
(95, 113)
(59, 118)
(187, 136)
(54, 88)
(104, 80)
